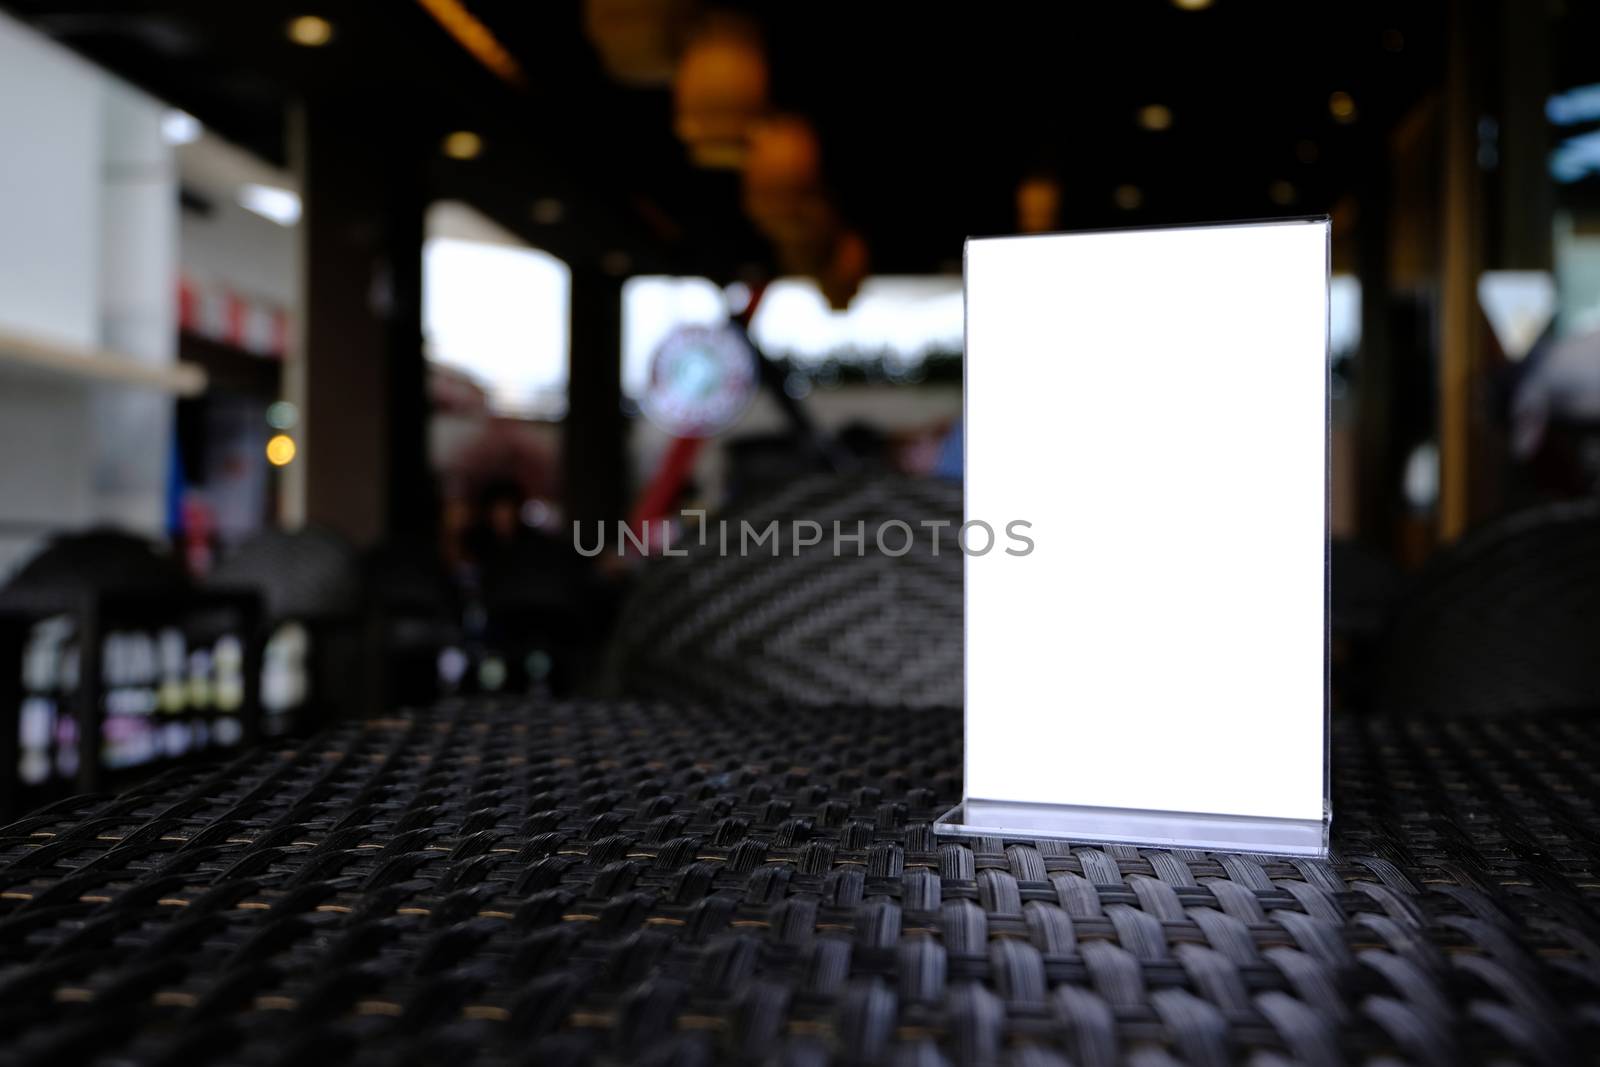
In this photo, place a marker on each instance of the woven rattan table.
(508, 884)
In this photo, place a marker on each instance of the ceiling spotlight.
(463, 144)
(311, 31)
(1342, 107)
(1191, 5)
(1128, 197)
(1282, 193)
(179, 127)
(270, 202)
(1307, 151)
(547, 211)
(1155, 117)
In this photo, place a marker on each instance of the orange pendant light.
(638, 40)
(784, 167)
(784, 196)
(846, 270)
(1038, 204)
(807, 250)
(720, 89)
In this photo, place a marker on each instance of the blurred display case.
(103, 686)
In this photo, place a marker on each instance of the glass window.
(898, 319)
(499, 312)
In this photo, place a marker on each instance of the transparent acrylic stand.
(1153, 404)
(1160, 829)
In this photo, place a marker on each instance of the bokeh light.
(310, 31)
(282, 415)
(462, 144)
(281, 450)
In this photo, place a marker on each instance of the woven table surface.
(606, 883)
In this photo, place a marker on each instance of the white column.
(138, 200)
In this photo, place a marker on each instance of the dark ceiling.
(929, 114)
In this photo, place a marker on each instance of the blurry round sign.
(701, 380)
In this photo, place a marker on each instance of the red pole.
(670, 477)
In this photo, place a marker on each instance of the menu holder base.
(1306, 838)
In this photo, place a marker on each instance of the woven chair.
(1363, 584)
(407, 576)
(311, 583)
(806, 627)
(505, 885)
(303, 574)
(100, 559)
(1504, 623)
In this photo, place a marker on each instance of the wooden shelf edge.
(29, 354)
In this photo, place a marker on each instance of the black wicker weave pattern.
(805, 626)
(627, 883)
(310, 573)
(1506, 622)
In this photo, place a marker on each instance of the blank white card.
(1154, 403)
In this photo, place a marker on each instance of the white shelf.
(31, 356)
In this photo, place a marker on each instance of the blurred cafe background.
(322, 323)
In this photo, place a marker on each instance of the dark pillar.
(364, 405)
(594, 457)
(1461, 261)
(413, 510)
(1527, 195)
(1378, 461)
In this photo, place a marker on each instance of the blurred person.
(538, 610)
(1555, 415)
(456, 519)
(498, 534)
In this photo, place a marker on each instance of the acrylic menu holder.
(1153, 403)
